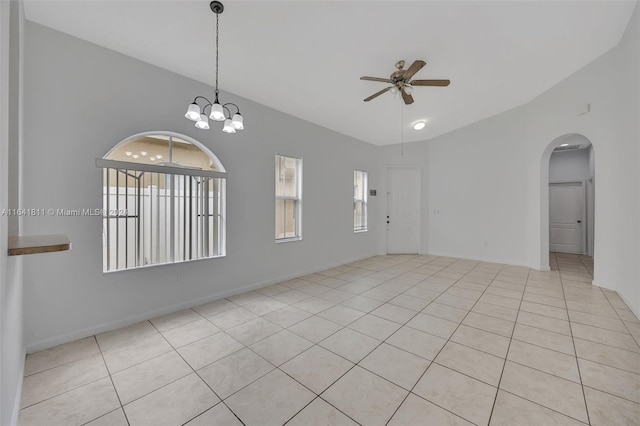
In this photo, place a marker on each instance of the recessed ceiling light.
(158, 156)
(135, 155)
(152, 158)
(419, 125)
(565, 144)
(128, 153)
(143, 153)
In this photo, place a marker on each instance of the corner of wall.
(12, 348)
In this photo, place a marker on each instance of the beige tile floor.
(398, 340)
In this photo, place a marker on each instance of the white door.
(566, 217)
(403, 210)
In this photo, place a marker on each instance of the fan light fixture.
(402, 83)
(216, 110)
(419, 125)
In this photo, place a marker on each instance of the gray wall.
(11, 313)
(85, 99)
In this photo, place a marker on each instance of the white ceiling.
(305, 58)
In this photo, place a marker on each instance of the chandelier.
(217, 111)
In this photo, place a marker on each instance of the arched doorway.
(568, 205)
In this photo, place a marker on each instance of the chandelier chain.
(217, 50)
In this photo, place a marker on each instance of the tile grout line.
(506, 356)
(112, 383)
(443, 346)
(584, 396)
(319, 395)
(430, 361)
(275, 367)
(621, 320)
(393, 266)
(194, 371)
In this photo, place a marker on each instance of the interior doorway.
(570, 192)
(403, 209)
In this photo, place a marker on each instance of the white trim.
(288, 240)
(90, 331)
(485, 259)
(624, 299)
(152, 265)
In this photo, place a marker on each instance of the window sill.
(288, 240)
(151, 265)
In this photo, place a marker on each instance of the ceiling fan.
(401, 81)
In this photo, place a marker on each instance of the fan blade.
(430, 82)
(375, 95)
(408, 99)
(382, 80)
(414, 68)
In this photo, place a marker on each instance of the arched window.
(163, 202)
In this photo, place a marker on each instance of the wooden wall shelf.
(35, 244)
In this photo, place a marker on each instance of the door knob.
(579, 221)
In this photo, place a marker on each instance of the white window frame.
(212, 237)
(296, 199)
(365, 214)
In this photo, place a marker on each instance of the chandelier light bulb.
(237, 122)
(228, 127)
(408, 89)
(217, 113)
(193, 112)
(203, 123)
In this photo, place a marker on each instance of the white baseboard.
(90, 331)
(481, 259)
(624, 299)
